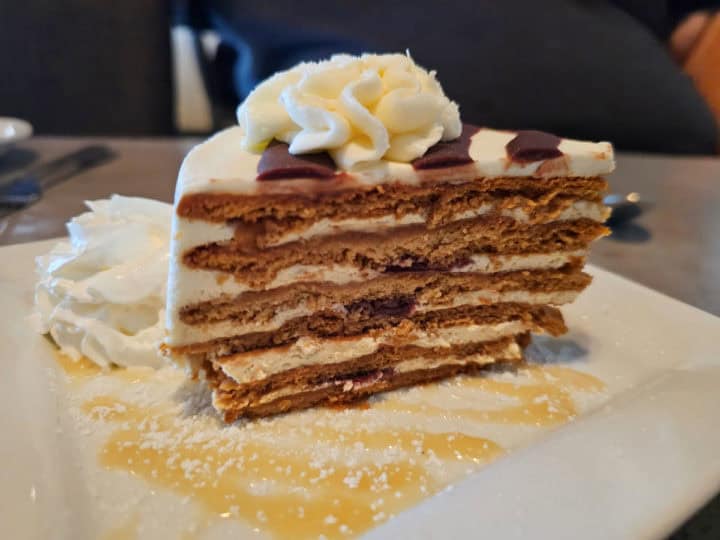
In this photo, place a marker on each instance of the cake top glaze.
(221, 165)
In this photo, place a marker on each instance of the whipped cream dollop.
(102, 293)
(359, 109)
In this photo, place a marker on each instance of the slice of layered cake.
(351, 236)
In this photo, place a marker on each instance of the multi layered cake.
(352, 236)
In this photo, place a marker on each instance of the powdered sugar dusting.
(324, 472)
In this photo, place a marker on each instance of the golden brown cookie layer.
(432, 199)
(412, 247)
(355, 379)
(381, 296)
(241, 348)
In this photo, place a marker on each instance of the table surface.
(674, 247)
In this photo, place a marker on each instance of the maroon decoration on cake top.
(529, 146)
(277, 163)
(448, 153)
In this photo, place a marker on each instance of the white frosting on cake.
(580, 158)
(221, 165)
(358, 108)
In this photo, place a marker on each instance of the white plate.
(13, 130)
(641, 456)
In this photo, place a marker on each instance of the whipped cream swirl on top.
(102, 293)
(359, 109)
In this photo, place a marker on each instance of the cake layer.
(437, 202)
(408, 248)
(333, 393)
(299, 320)
(425, 290)
(309, 305)
(271, 232)
(382, 356)
(210, 285)
(321, 352)
(387, 368)
(337, 340)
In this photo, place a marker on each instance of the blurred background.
(113, 91)
(644, 74)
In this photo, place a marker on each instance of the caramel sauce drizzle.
(303, 480)
(546, 402)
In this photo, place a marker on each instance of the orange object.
(703, 65)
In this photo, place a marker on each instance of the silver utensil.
(28, 186)
(13, 130)
(624, 208)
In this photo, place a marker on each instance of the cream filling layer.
(186, 334)
(556, 298)
(511, 353)
(326, 227)
(487, 264)
(309, 351)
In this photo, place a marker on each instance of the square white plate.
(640, 458)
